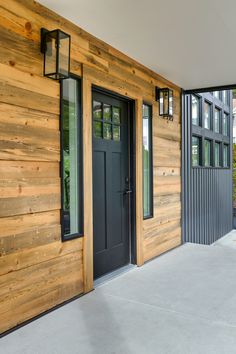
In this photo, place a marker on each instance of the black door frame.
(132, 164)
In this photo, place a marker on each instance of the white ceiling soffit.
(191, 43)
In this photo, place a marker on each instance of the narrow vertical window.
(71, 164)
(207, 115)
(217, 154)
(225, 124)
(225, 156)
(225, 97)
(207, 153)
(147, 162)
(195, 110)
(217, 120)
(195, 151)
(216, 94)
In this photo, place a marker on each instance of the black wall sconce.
(166, 103)
(55, 45)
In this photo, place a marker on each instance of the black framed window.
(216, 94)
(225, 155)
(207, 153)
(217, 154)
(225, 97)
(196, 148)
(217, 120)
(147, 162)
(195, 110)
(207, 115)
(210, 128)
(71, 159)
(225, 124)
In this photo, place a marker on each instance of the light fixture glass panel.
(63, 57)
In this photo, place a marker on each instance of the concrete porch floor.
(181, 302)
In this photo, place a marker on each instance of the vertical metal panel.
(207, 192)
(210, 204)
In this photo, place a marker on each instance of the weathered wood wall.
(37, 270)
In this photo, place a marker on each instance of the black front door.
(111, 180)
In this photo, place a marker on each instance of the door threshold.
(116, 273)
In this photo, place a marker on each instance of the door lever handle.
(127, 191)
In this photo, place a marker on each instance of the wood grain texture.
(31, 290)
(88, 186)
(163, 231)
(37, 270)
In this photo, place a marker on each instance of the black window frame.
(198, 98)
(211, 153)
(205, 101)
(200, 151)
(225, 114)
(219, 143)
(228, 155)
(210, 134)
(150, 129)
(216, 108)
(80, 233)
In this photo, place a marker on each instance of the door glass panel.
(116, 132)
(97, 129)
(107, 112)
(207, 115)
(107, 131)
(116, 115)
(195, 110)
(97, 110)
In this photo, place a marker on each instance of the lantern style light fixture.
(55, 45)
(166, 103)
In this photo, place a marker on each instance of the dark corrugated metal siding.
(207, 193)
(210, 205)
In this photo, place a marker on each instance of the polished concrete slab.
(181, 302)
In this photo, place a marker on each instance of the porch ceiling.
(190, 43)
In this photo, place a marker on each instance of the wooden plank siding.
(37, 270)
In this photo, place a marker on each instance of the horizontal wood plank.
(19, 224)
(28, 169)
(27, 205)
(25, 117)
(39, 287)
(36, 255)
(37, 270)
